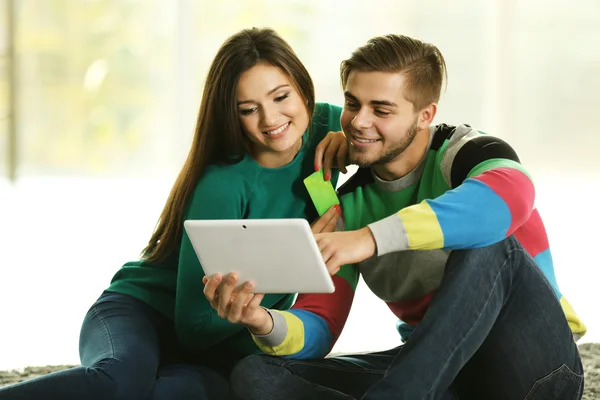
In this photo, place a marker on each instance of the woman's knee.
(113, 380)
(119, 345)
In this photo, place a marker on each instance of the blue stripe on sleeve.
(317, 338)
(544, 261)
(471, 215)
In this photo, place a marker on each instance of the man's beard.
(387, 156)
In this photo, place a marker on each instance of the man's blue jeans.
(494, 331)
(128, 351)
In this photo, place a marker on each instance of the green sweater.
(242, 190)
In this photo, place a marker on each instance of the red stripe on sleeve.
(332, 307)
(532, 235)
(517, 191)
(411, 311)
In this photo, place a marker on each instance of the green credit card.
(321, 192)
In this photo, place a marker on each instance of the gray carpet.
(590, 353)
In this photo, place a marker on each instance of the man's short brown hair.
(422, 64)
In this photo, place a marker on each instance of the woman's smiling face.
(272, 114)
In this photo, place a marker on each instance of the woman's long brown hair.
(218, 137)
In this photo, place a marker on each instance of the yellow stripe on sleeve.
(576, 325)
(422, 227)
(294, 340)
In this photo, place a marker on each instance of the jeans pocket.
(560, 384)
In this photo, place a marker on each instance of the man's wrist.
(389, 234)
(370, 239)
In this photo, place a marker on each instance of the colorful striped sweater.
(469, 191)
(311, 327)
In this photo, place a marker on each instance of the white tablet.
(278, 255)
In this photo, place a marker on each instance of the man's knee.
(498, 254)
(254, 375)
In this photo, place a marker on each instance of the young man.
(442, 225)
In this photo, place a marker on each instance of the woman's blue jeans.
(130, 351)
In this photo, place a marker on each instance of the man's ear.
(426, 116)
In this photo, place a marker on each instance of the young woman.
(152, 333)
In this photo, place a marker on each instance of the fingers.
(342, 157)
(255, 302)
(210, 289)
(329, 158)
(333, 220)
(333, 265)
(323, 245)
(225, 292)
(320, 151)
(327, 222)
(243, 296)
(319, 237)
(318, 225)
(231, 302)
(332, 151)
(328, 253)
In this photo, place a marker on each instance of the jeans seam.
(531, 262)
(110, 340)
(478, 318)
(541, 273)
(331, 367)
(550, 375)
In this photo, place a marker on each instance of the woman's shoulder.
(220, 192)
(223, 178)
